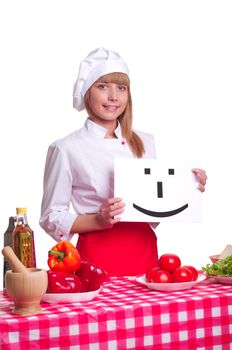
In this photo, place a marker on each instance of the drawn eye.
(171, 171)
(147, 171)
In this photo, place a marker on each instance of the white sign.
(157, 191)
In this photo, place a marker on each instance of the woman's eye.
(122, 87)
(102, 86)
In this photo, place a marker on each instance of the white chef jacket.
(79, 170)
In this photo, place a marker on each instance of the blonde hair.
(126, 118)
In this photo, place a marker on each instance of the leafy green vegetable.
(222, 267)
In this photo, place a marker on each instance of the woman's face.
(107, 101)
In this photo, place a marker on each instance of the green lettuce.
(222, 267)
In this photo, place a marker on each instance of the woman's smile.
(111, 108)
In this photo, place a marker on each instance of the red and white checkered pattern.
(126, 315)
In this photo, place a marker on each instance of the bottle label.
(23, 248)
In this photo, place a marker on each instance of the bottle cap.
(21, 211)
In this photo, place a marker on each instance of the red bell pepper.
(91, 276)
(63, 282)
(64, 257)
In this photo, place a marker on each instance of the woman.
(79, 170)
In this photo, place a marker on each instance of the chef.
(79, 171)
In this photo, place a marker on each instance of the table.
(126, 315)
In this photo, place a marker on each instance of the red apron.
(127, 249)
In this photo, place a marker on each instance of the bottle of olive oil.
(23, 239)
(8, 236)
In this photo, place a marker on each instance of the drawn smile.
(159, 214)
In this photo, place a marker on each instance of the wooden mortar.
(25, 286)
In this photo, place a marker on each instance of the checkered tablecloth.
(126, 315)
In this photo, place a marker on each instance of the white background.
(179, 54)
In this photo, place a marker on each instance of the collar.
(100, 131)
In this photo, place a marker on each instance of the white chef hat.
(98, 63)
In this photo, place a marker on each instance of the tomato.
(182, 274)
(169, 262)
(160, 276)
(150, 273)
(193, 270)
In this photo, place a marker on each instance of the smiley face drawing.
(171, 171)
(156, 191)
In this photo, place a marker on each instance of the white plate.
(170, 287)
(57, 298)
(222, 279)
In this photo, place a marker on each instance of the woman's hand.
(202, 178)
(108, 210)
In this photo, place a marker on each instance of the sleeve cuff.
(62, 231)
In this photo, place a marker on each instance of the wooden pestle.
(13, 260)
